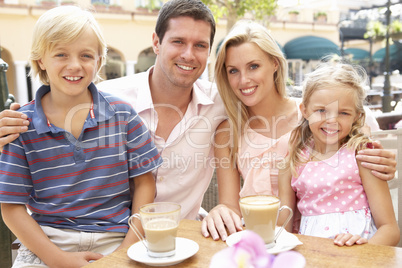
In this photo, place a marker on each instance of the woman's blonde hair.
(62, 24)
(333, 75)
(246, 32)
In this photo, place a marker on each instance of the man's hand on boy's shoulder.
(11, 124)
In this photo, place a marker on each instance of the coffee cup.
(260, 214)
(159, 222)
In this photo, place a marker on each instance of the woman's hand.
(218, 219)
(381, 162)
(349, 240)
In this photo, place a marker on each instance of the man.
(181, 111)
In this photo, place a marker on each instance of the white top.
(187, 155)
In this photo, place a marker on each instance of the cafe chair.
(211, 197)
(392, 140)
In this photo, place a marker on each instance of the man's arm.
(381, 162)
(11, 124)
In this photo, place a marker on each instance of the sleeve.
(15, 176)
(143, 156)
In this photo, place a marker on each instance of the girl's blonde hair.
(246, 32)
(62, 24)
(333, 75)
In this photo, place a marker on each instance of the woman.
(251, 74)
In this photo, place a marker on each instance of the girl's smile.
(331, 113)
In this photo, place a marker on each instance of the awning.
(281, 47)
(379, 55)
(358, 53)
(310, 48)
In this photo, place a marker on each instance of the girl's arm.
(380, 202)
(287, 197)
(227, 214)
(381, 162)
(31, 235)
(144, 193)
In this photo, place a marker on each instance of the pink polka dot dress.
(331, 197)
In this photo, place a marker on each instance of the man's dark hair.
(183, 8)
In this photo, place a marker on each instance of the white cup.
(260, 214)
(160, 222)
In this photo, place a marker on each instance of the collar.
(144, 102)
(144, 99)
(199, 93)
(96, 114)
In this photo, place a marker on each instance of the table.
(319, 252)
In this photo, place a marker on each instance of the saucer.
(286, 241)
(185, 248)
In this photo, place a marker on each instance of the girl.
(337, 197)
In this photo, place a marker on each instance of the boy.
(73, 165)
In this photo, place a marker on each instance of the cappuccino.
(260, 214)
(160, 221)
(161, 235)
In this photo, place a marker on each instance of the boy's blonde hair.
(62, 24)
(246, 32)
(330, 75)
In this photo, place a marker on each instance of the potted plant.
(153, 6)
(375, 30)
(48, 3)
(293, 15)
(396, 30)
(115, 7)
(100, 5)
(321, 16)
(67, 3)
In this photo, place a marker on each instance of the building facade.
(128, 26)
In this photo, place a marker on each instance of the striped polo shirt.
(83, 183)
